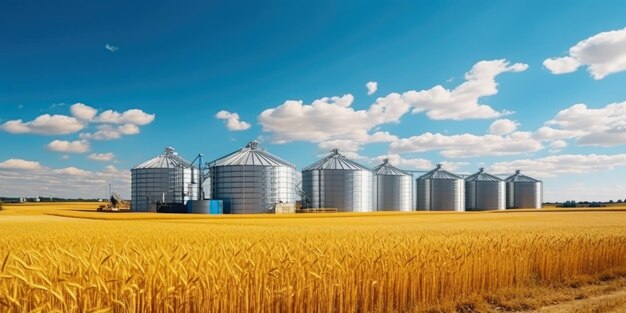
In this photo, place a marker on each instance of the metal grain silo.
(484, 192)
(440, 190)
(338, 182)
(251, 180)
(523, 192)
(392, 188)
(167, 179)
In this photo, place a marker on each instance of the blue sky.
(182, 63)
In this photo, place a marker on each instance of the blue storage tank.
(205, 206)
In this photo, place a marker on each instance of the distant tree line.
(45, 199)
(573, 204)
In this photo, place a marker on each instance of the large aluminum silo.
(440, 190)
(484, 192)
(523, 192)
(166, 179)
(392, 188)
(251, 180)
(337, 182)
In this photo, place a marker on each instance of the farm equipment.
(115, 204)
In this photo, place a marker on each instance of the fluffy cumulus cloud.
(28, 178)
(44, 125)
(603, 54)
(19, 164)
(503, 127)
(114, 124)
(562, 65)
(233, 123)
(557, 145)
(83, 112)
(605, 126)
(333, 121)
(111, 132)
(72, 171)
(462, 102)
(469, 145)
(102, 157)
(372, 87)
(560, 164)
(133, 116)
(64, 146)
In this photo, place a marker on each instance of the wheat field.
(67, 258)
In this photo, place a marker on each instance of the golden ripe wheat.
(334, 263)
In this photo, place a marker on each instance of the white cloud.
(70, 182)
(503, 127)
(233, 123)
(82, 116)
(333, 121)
(137, 117)
(128, 129)
(78, 146)
(560, 164)
(469, 145)
(328, 119)
(111, 169)
(44, 125)
(372, 87)
(605, 126)
(110, 116)
(561, 65)
(109, 132)
(603, 54)
(558, 145)
(133, 116)
(72, 171)
(20, 164)
(83, 112)
(462, 102)
(102, 157)
(549, 133)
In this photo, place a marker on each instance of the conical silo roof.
(336, 161)
(439, 173)
(387, 169)
(519, 178)
(482, 176)
(169, 159)
(251, 154)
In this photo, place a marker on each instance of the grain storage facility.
(337, 182)
(392, 188)
(484, 191)
(251, 180)
(440, 190)
(165, 182)
(523, 192)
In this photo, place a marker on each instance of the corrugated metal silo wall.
(346, 190)
(447, 195)
(423, 194)
(252, 188)
(528, 195)
(510, 195)
(149, 185)
(392, 193)
(485, 195)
